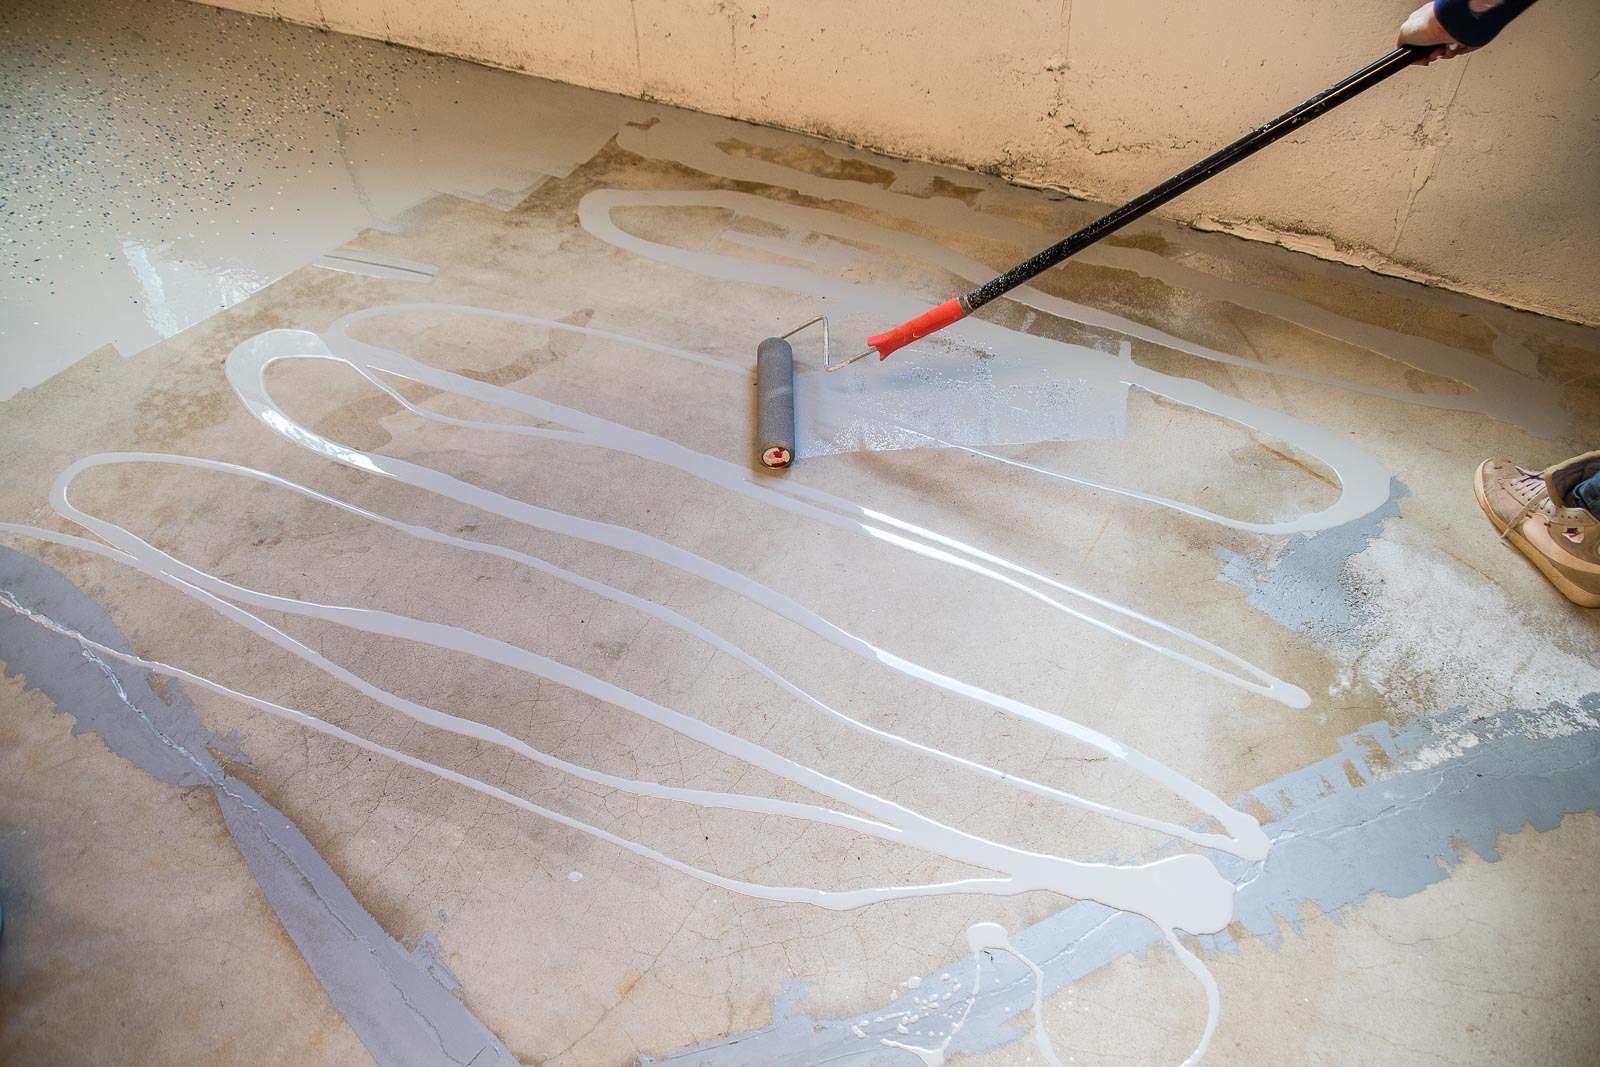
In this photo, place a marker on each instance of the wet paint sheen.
(1176, 892)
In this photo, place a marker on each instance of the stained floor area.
(406, 663)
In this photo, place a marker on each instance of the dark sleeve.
(1475, 22)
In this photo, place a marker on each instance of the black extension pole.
(1246, 146)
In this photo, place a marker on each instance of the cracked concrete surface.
(134, 927)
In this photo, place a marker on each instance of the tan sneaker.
(1529, 508)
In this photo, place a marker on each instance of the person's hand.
(1421, 27)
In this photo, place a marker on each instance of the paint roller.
(775, 386)
(775, 403)
(775, 445)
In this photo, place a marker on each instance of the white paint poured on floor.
(1188, 898)
(1176, 892)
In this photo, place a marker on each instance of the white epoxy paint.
(1176, 892)
(992, 937)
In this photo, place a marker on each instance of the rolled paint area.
(198, 215)
(938, 391)
(1088, 404)
(1022, 389)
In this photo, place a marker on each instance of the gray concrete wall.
(1478, 174)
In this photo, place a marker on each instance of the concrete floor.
(161, 163)
(185, 874)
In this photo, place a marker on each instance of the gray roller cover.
(775, 402)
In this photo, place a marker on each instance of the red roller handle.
(921, 326)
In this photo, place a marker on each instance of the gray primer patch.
(393, 999)
(1301, 589)
(1335, 843)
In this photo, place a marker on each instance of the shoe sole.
(1568, 589)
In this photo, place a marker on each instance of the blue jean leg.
(1586, 494)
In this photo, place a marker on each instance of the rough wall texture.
(1478, 174)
